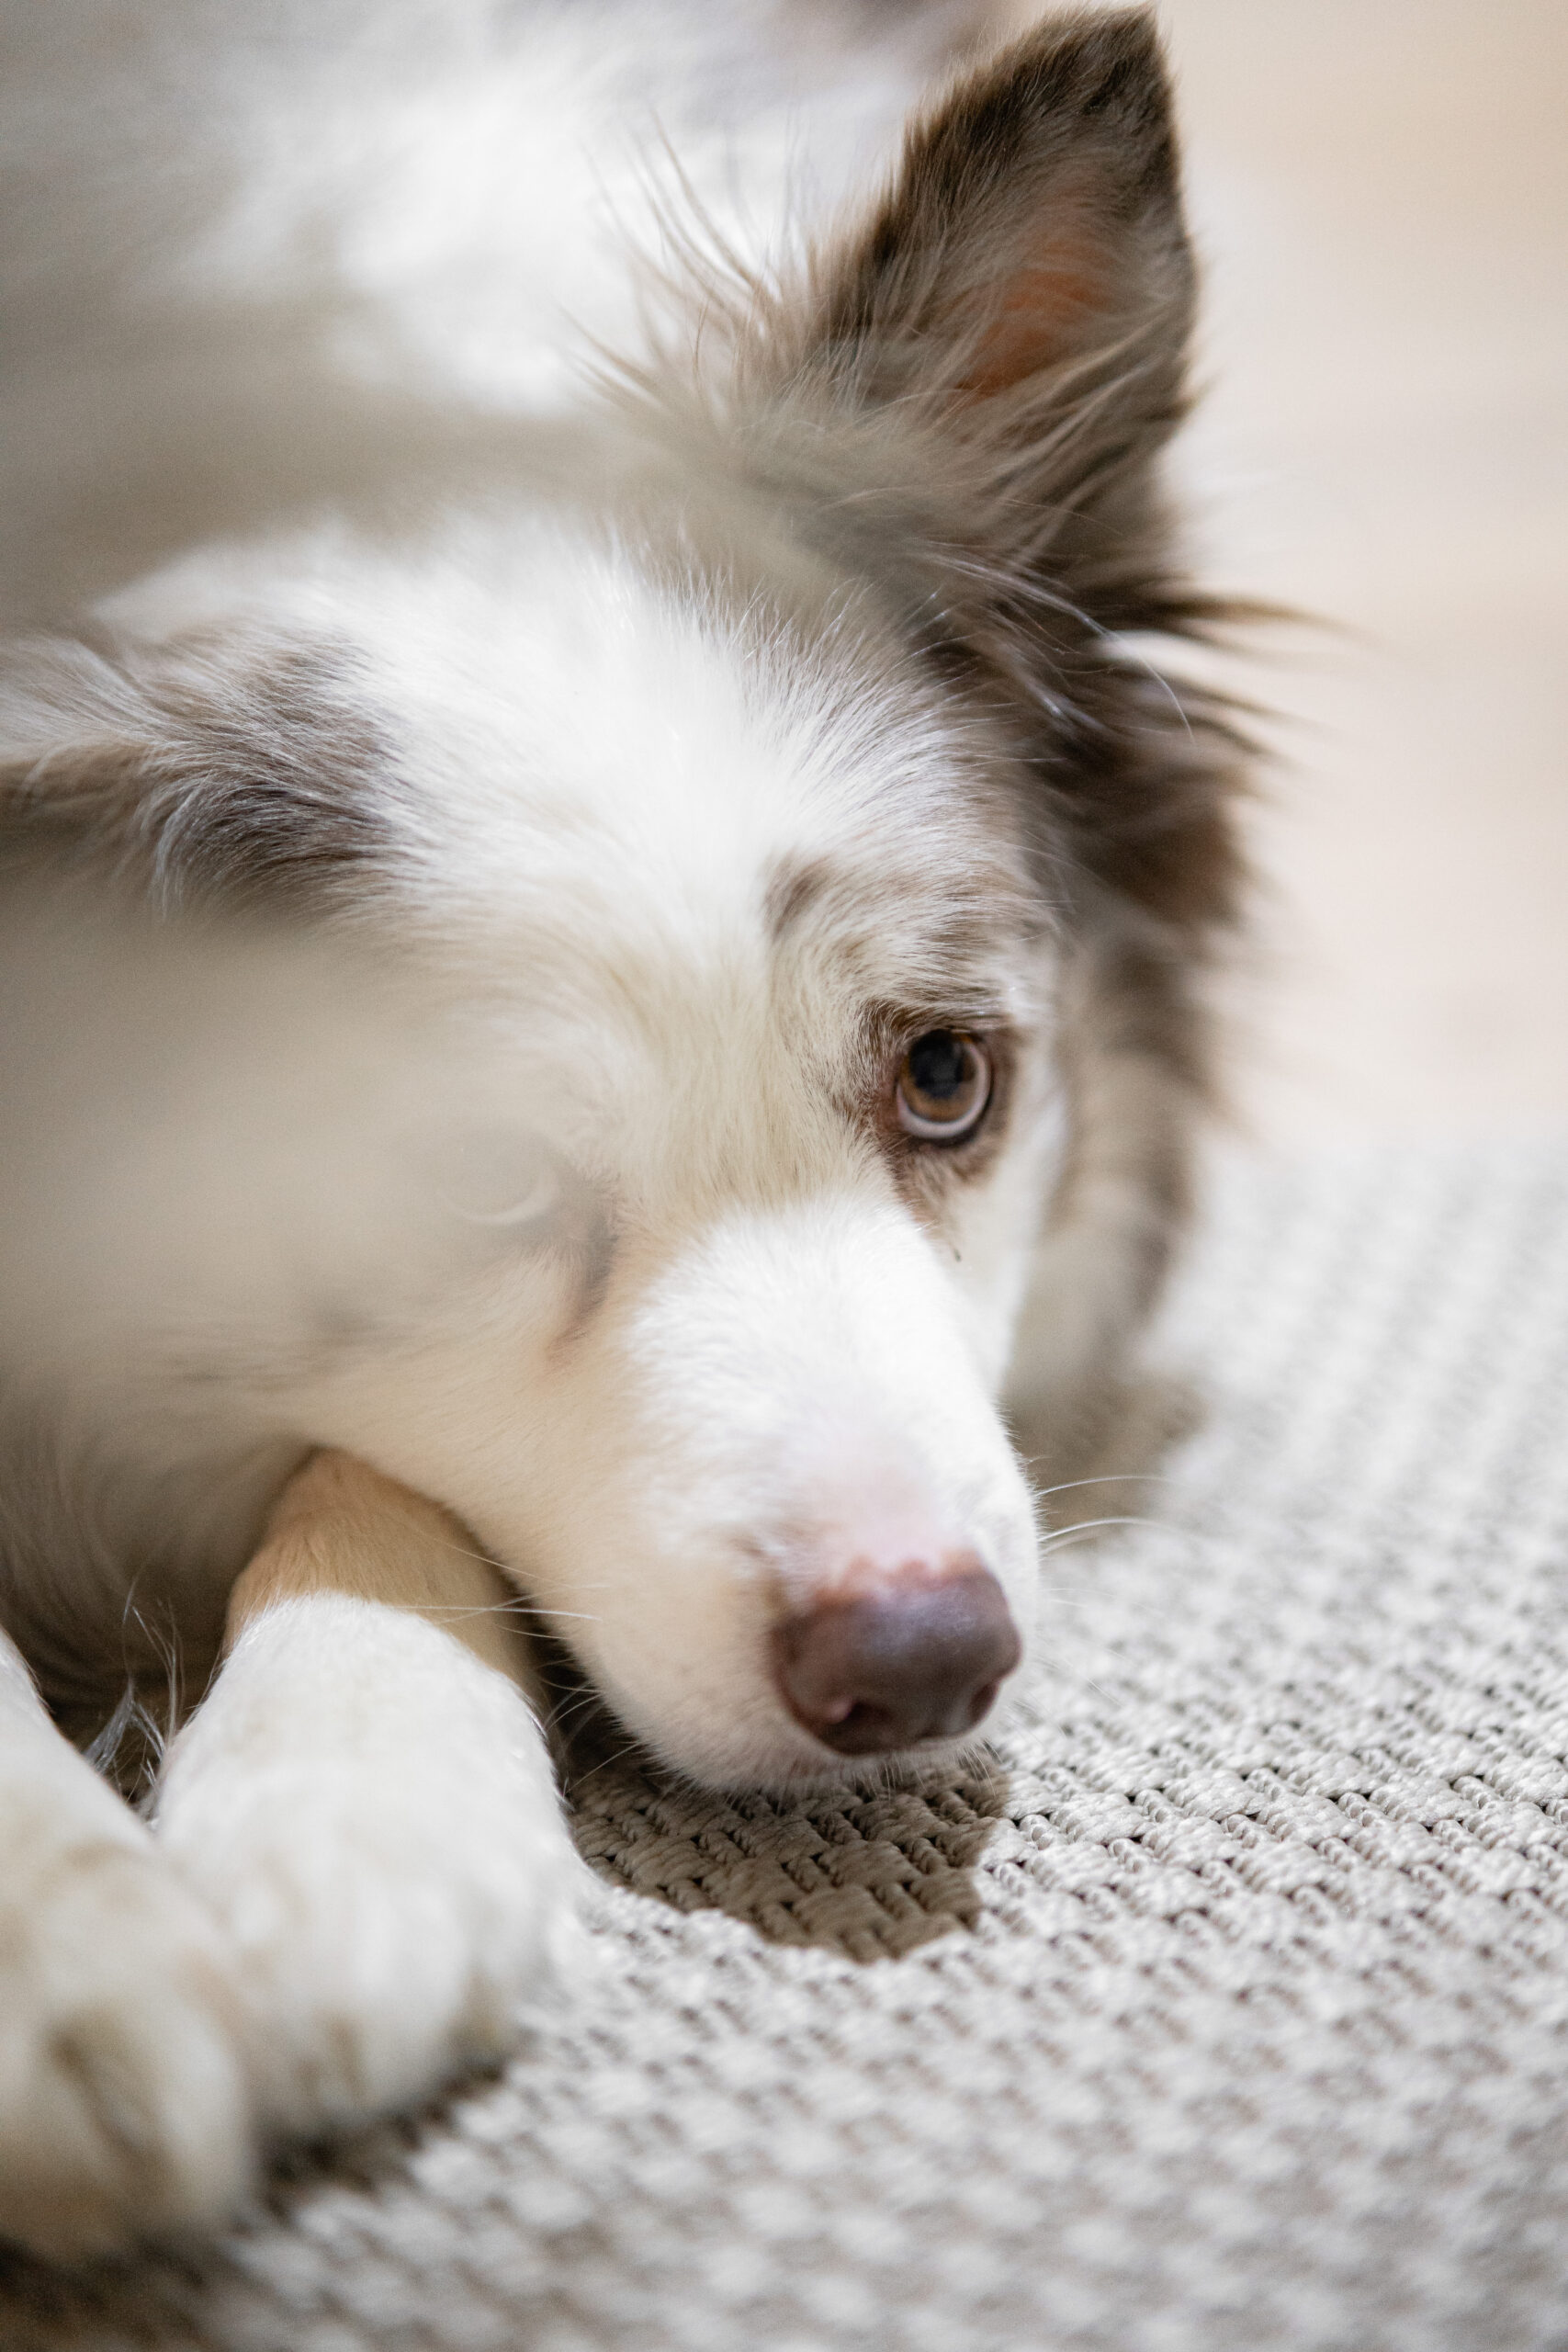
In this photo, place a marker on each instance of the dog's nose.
(916, 1656)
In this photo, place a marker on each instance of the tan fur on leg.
(341, 1527)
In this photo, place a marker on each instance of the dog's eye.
(944, 1084)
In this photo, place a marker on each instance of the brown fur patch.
(246, 771)
(793, 892)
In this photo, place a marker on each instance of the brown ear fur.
(215, 767)
(1035, 230)
(967, 401)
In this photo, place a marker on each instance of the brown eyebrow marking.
(795, 887)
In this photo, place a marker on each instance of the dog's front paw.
(124, 2111)
(370, 1810)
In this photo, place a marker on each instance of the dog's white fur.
(539, 1174)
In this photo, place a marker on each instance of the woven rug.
(1228, 2009)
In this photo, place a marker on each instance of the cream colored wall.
(1381, 192)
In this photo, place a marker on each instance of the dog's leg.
(123, 2108)
(367, 1798)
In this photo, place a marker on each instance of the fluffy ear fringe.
(1017, 307)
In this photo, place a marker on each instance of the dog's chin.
(785, 1761)
(829, 1775)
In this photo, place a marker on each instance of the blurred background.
(1380, 192)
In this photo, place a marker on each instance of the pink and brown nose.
(915, 1655)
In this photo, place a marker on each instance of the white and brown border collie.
(603, 886)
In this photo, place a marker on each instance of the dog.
(605, 891)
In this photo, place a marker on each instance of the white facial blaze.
(802, 1409)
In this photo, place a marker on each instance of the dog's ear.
(972, 392)
(1023, 296)
(220, 766)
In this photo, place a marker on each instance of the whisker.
(575, 1704)
(1087, 1526)
(486, 1559)
(1109, 1479)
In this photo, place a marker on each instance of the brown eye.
(944, 1084)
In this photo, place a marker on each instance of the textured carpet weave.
(1230, 2009)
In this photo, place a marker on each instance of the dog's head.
(734, 815)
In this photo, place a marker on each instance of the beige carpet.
(1228, 2011)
